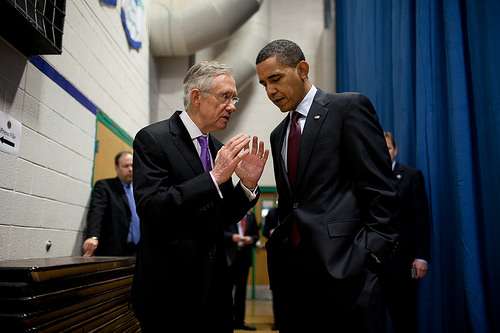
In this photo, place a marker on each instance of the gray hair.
(200, 76)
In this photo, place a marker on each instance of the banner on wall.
(109, 2)
(132, 14)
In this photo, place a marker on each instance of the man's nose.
(271, 91)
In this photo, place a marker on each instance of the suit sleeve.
(270, 222)
(421, 212)
(99, 201)
(254, 229)
(370, 168)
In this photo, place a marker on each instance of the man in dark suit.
(185, 198)
(270, 222)
(410, 264)
(336, 200)
(240, 241)
(112, 221)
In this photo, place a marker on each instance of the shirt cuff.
(249, 193)
(216, 185)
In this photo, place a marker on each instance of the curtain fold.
(432, 70)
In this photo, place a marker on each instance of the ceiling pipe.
(242, 49)
(181, 28)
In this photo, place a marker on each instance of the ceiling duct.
(181, 28)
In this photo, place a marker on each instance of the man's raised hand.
(229, 156)
(251, 166)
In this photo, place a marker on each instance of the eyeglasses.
(225, 98)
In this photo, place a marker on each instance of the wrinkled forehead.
(224, 83)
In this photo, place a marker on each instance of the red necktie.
(292, 162)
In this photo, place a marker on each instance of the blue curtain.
(432, 70)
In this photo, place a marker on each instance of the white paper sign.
(10, 134)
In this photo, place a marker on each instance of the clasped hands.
(242, 240)
(247, 157)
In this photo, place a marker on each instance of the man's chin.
(222, 124)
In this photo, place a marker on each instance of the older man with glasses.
(185, 198)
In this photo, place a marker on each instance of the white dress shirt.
(303, 108)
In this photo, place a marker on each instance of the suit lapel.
(278, 148)
(214, 146)
(118, 189)
(315, 118)
(398, 172)
(182, 140)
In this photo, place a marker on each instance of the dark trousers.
(276, 308)
(239, 273)
(311, 300)
(400, 293)
(189, 311)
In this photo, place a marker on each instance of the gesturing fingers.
(254, 145)
(235, 138)
(265, 156)
(237, 146)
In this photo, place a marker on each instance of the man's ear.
(303, 69)
(195, 96)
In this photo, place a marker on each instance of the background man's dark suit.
(399, 287)
(270, 222)
(108, 218)
(342, 203)
(240, 261)
(182, 219)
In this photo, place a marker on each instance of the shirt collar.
(125, 185)
(393, 165)
(305, 105)
(191, 127)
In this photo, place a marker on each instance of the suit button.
(295, 205)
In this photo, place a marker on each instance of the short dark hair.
(388, 135)
(119, 155)
(286, 51)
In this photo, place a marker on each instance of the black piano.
(67, 294)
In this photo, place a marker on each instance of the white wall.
(45, 190)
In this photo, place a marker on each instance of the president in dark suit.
(185, 198)
(112, 221)
(336, 200)
(402, 273)
(240, 242)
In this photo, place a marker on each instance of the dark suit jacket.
(414, 214)
(109, 217)
(182, 222)
(245, 252)
(270, 222)
(344, 198)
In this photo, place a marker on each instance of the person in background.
(336, 200)
(185, 199)
(403, 272)
(112, 221)
(240, 240)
